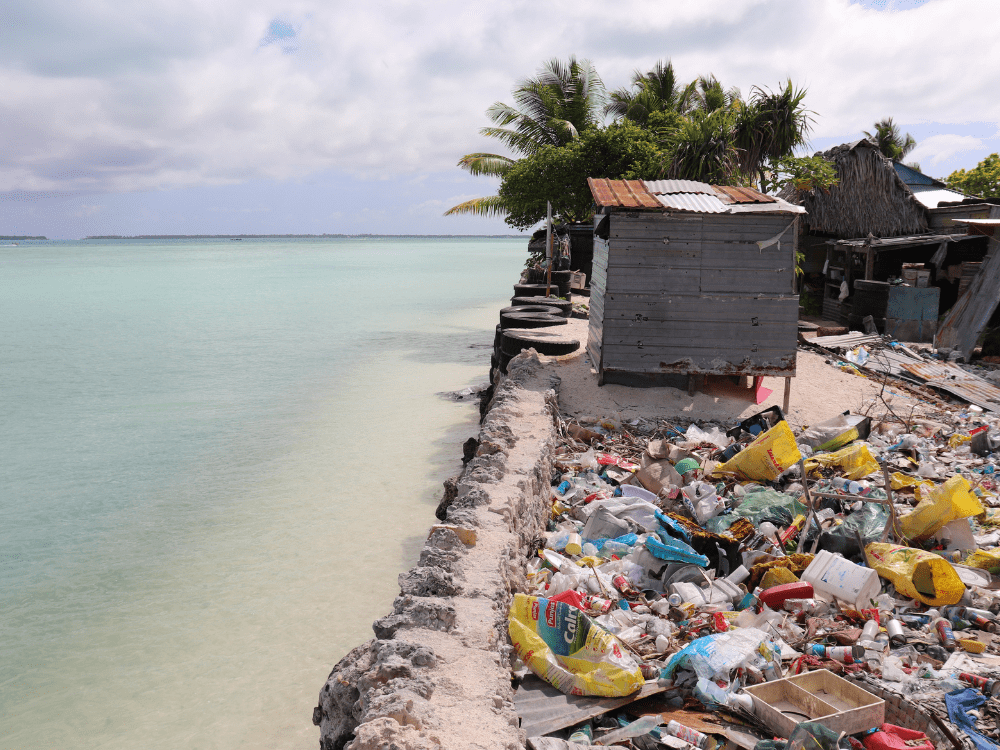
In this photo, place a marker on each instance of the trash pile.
(754, 586)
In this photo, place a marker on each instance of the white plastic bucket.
(838, 577)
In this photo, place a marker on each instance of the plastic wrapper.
(951, 501)
(715, 436)
(853, 462)
(916, 573)
(836, 433)
(570, 651)
(769, 456)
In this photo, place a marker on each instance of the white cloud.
(121, 97)
(938, 148)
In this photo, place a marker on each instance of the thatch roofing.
(870, 198)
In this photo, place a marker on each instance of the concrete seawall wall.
(437, 673)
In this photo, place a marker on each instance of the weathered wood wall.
(681, 293)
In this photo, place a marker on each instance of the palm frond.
(491, 205)
(492, 165)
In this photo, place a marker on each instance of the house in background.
(885, 220)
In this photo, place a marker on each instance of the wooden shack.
(691, 279)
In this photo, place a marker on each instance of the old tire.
(530, 320)
(530, 290)
(536, 309)
(564, 306)
(516, 340)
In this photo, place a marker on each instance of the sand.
(819, 391)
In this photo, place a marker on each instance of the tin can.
(583, 735)
(650, 671)
(988, 686)
(843, 654)
(895, 631)
(621, 583)
(687, 734)
(945, 634)
(980, 622)
(597, 604)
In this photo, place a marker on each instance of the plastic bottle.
(617, 549)
(642, 726)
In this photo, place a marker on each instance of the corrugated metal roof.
(930, 195)
(955, 380)
(658, 187)
(705, 204)
(912, 177)
(621, 193)
(543, 709)
(981, 227)
(742, 194)
(684, 195)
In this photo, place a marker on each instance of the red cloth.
(891, 737)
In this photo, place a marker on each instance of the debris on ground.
(758, 586)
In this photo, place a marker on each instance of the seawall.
(437, 673)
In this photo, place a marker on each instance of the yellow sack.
(855, 461)
(946, 503)
(916, 573)
(770, 455)
(984, 560)
(567, 649)
(899, 480)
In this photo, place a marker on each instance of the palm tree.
(656, 90)
(550, 109)
(770, 125)
(705, 93)
(890, 141)
(702, 148)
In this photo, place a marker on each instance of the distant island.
(20, 237)
(276, 236)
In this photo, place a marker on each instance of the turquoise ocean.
(215, 459)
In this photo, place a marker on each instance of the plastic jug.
(838, 577)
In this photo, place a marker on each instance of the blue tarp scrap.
(959, 704)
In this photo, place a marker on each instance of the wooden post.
(548, 249)
(692, 383)
(870, 263)
(788, 395)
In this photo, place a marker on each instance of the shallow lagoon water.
(218, 456)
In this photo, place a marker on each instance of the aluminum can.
(895, 631)
(988, 686)
(945, 634)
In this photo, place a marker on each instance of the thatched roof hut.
(870, 198)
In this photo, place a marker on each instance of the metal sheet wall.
(682, 293)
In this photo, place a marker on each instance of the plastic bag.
(916, 573)
(763, 505)
(984, 560)
(570, 651)
(769, 456)
(951, 501)
(855, 461)
(716, 656)
(836, 433)
(715, 436)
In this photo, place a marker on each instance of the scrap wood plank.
(544, 709)
(968, 317)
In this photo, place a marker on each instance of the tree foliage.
(563, 100)
(890, 141)
(559, 174)
(982, 181)
(662, 128)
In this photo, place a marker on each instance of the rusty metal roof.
(684, 195)
(732, 194)
(621, 193)
(953, 379)
(982, 227)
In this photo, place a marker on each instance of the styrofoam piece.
(838, 577)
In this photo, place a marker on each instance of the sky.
(300, 116)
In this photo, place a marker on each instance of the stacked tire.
(529, 327)
(558, 306)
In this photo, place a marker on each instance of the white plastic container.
(838, 577)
